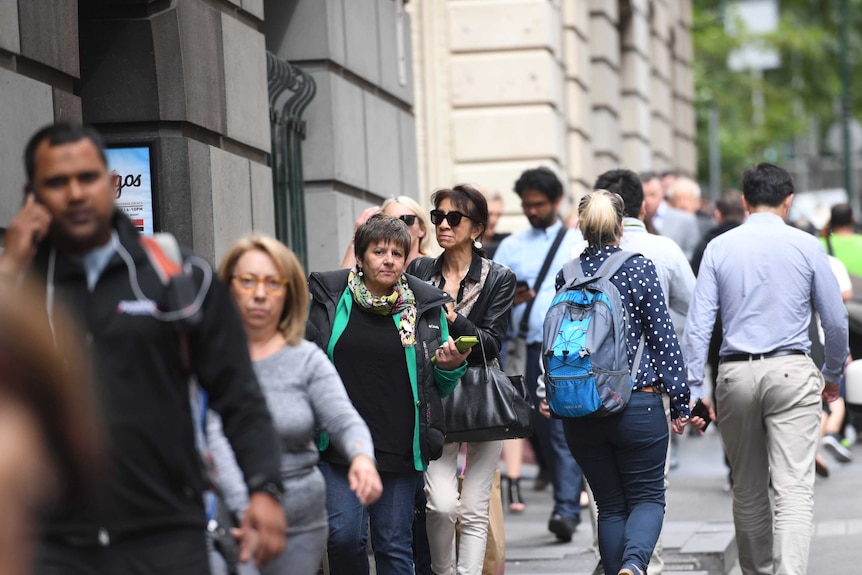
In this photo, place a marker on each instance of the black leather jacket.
(489, 317)
(327, 288)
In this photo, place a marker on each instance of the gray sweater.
(303, 392)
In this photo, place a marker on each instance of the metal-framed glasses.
(271, 284)
(408, 219)
(454, 218)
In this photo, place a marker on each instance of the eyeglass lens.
(408, 219)
(272, 284)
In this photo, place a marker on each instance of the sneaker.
(563, 527)
(838, 451)
(820, 467)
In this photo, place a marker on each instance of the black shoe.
(563, 527)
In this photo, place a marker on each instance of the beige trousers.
(769, 416)
(445, 506)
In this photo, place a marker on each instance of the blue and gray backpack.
(584, 349)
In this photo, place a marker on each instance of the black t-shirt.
(370, 359)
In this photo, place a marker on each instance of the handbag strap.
(525, 319)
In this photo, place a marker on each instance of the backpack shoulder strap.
(165, 255)
(614, 262)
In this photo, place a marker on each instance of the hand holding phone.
(523, 293)
(701, 410)
(25, 232)
(462, 344)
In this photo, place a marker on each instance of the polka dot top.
(662, 365)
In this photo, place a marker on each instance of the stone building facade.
(189, 78)
(580, 86)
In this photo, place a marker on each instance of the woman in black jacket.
(483, 291)
(381, 329)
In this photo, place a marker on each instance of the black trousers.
(176, 552)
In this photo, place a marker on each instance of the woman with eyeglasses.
(382, 328)
(408, 211)
(303, 392)
(483, 292)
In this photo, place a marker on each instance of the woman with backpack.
(483, 292)
(623, 454)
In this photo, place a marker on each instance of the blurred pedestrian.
(50, 444)
(88, 255)
(303, 393)
(666, 220)
(483, 292)
(762, 276)
(623, 455)
(380, 328)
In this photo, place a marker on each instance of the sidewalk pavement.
(699, 512)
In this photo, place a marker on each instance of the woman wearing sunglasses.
(408, 211)
(483, 291)
(303, 392)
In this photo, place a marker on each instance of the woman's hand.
(544, 408)
(364, 480)
(678, 424)
(363, 217)
(448, 356)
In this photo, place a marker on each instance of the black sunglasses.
(408, 219)
(454, 218)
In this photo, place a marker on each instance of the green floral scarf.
(400, 300)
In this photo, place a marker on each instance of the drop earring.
(477, 244)
(359, 272)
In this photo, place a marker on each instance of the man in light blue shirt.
(541, 192)
(763, 276)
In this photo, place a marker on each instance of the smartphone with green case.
(462, 344)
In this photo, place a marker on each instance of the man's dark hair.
(766, 185)
(669, 173)
(730, 206)
(542, 180)
(57, 134)
(627, 185)
(840, 216)
(647, 176)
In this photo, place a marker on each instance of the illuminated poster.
(134, 191)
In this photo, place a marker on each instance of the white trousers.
(445, 507)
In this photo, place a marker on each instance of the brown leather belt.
(648, 389)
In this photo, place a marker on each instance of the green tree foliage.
(803, 92)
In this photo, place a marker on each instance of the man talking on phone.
(763, 276)
(148, 517)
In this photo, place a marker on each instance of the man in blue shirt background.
(541, 193)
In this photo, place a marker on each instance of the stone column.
(190, 80)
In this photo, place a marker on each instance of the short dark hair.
(381, 228)
(647, 176)
(57, 134)
(840, 216)
(730, 205)
(542, 180)
(627, 185)
(766, 185)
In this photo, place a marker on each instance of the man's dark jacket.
(154, 479)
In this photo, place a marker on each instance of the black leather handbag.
(488, 405)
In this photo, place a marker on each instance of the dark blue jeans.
(623, 458)
(391, 523)
(565, 473)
